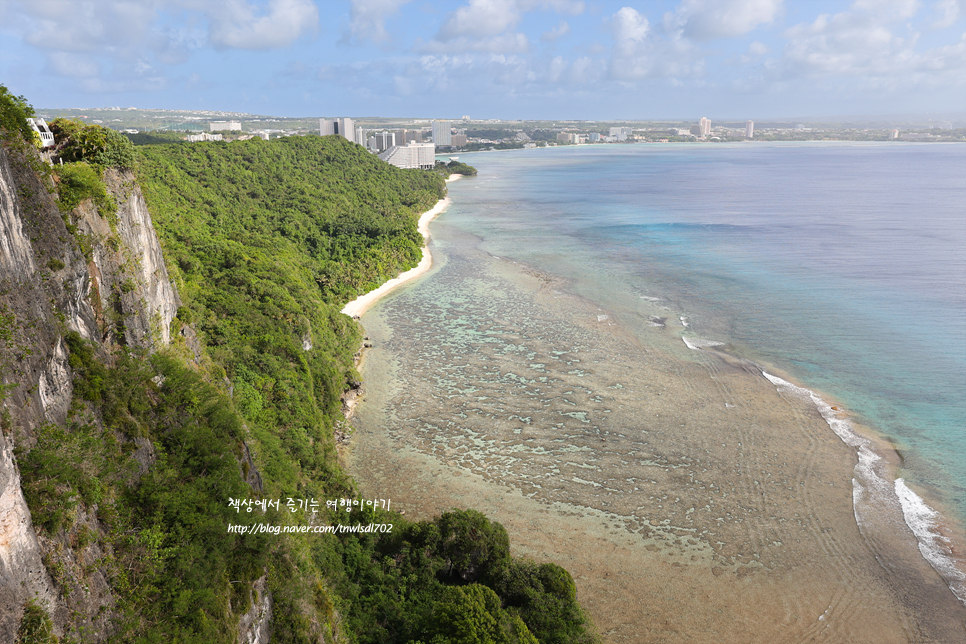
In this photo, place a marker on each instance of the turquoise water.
(840, 265)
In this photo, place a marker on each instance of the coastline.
(358, 306)
(764, 525)
(769, 527)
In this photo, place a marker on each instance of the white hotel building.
(413, 155)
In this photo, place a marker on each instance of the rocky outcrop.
(16, 253)
(103, 277)
(131, 288)
(43, 288)
(254, 627)
(22, 572)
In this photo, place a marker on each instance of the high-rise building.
(345, 129)
(384, 141)
(749, 129)
(405, 136)
(413, 155)
(705, 124)
(442, 134)
(341, 126)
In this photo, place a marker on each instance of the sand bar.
(359, 305)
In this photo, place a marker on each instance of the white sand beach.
(359, 305)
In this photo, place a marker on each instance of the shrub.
(80, 181)
(77, 141)
(14, 112)
(35, 626)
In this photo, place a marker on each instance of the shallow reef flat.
(691, 499)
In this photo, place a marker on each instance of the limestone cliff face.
(131, 283)
(33, 365)
(118, 294)
(105, 279)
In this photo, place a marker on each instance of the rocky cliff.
(105, 279)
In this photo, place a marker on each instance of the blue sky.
(526, 59)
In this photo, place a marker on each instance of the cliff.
(130, 438)
(105, 281)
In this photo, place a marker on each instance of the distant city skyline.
(492, 59)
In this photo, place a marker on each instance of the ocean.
(778, 298)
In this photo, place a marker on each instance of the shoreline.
(730, 553)
(361, 304)
(732, 549)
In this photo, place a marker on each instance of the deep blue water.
(842, 265)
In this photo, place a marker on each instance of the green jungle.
(265, 242)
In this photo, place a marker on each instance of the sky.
(492, 59)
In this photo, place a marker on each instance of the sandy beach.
(691, 498)
(358, 306)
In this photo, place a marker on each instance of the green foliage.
(36, 626)
(349, 218)
(472, 615)
(14, 112)
(458, 167)
(542, 135)
(545, 597)
(90, 373)
(448, 580)
(79, 181)
(491, 133)
(472, 547)
(174, 559)
(102, 146)
(156, 137)
(268, 240)
(454, 167)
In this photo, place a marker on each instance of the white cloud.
(639, 53)
(486, 25)
(630, 30)
(757, 48)
(128, 45)
(948, 11)
(557, 67)
(860, 44)
(239, 26)
(118, 27)
(72, 65)
(481, 18)
(888, 9)
(367, 18)
(556, 33)
(512, 43)
(710, 19)
(78, 26)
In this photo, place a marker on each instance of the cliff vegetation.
(143, 393)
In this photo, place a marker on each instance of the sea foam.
(935, 548)
(871, 490)
(696, 344)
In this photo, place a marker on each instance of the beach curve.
(361, 304)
